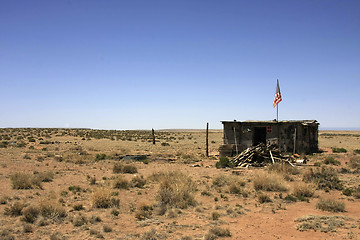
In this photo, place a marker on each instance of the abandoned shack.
(290, 136)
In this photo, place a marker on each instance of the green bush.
(332, 161)
(339, 150)
(357, 151)
(75, 189)
(100, 156)
(290, 198)
(4, 144)
(224, 162)
(347, 191)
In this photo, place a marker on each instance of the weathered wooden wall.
(281, 133)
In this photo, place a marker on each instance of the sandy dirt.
(71, 156)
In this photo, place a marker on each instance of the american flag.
(277, 98)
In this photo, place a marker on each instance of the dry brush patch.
(330, 205)
(102, 198)
(270, 181)
(220, 197)
(321, 223)
(325, 178)
(176, 189)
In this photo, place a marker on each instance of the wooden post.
(153, 135)
(294, 142)
(207, 139)
(236, 147)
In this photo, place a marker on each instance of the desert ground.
(97, 184)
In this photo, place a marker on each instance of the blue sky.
(178, 64)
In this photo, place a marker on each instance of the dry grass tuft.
(330, 205)
(138, 182)
(283, 168)
(50, 208)
(302, 189)
(102, 198)
(270, 182)
(30, 214)
(121, 183)
(25, 181)
(325, 178)
(355, 162)
(143, 212)
(216, 232)
(176, 190)
(79, 220)
(15, 209)
(320, 223)
(263, 198)
(127, 168)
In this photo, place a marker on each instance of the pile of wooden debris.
(259, 156)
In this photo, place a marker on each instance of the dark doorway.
(259, 135)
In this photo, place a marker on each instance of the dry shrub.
(176, 190)
(107, 228)
(234, 183)
(50, 208)
(121, 183)
(150, 235)
(25, 181)
(27, 228)
(221, 180)
(143, 212)
(215, 216)
(15, 209)
(302, 189)
(269, 181)
(263, 198)
(79, 220)
(46, 176)
(320, 223)
(283, 168)
(216, 232)
(138, 182)
(30, 214)
(57, 236)
(5, 234)
(117, 168)
(355, 162)
(102, 198)
(325, 178)
(330, 205)
(127, 168)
